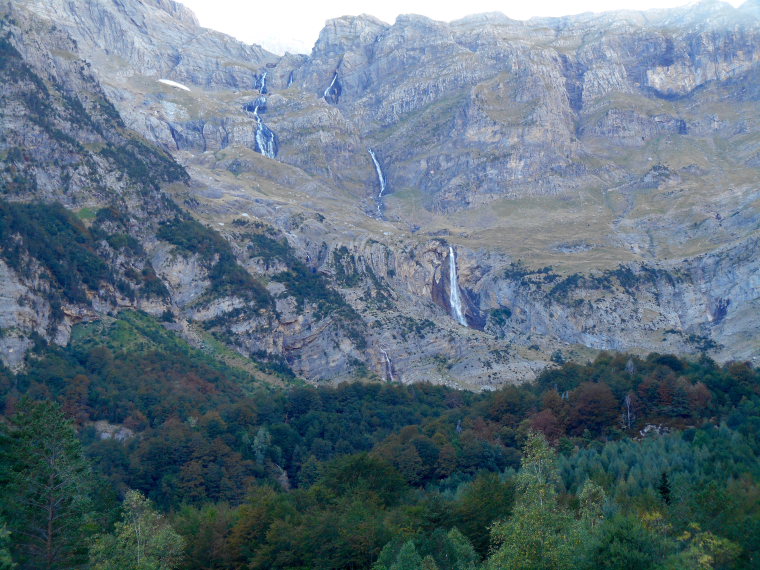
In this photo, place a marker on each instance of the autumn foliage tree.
(593, 407)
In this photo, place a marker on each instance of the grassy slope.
(134, 332)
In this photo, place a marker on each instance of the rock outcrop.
(595, 174)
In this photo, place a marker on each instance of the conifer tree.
(45, 487)
(408, 558)
(621, 543)
(664, 488)
(6, 562)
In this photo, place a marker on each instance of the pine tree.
(6, 562)
(47, 479)
(664, 488)
(621, 543)
(408, 558)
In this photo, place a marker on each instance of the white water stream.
(388, 366)
(327, 91)
(455, 299)
(381, 179)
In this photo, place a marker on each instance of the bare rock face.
(155, 38)
(595, 175)
(487, 107)
(466, 112)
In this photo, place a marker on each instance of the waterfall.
(455, 299)
(258, 105)
(388, 367)
(290, 79)
(333, 91)
(326, 94)
(266, 140)
(263, 83)
(381, 178)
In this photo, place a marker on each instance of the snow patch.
(171, 83)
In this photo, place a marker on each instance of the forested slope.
(251, 476)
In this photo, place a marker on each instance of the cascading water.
(333, 91)
(290, 79)
(263, 83)
(258, 105)
(332, 84)
(388, 366)
(455, 299)
(381, 179)
(266, 140)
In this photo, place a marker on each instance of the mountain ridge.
(621, 157)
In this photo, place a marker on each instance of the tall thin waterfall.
(263, 83)
(332, 83)
(334, 90)
(388, 366)
(381, 179)
(455, 299)
(266, 141)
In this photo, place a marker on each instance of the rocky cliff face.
(63, 142)
(156, 37)
(120, 241)
(487, 107)
(596, 176)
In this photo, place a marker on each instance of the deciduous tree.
(143, 540)
(539, 534)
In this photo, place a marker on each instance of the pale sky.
(280, 25)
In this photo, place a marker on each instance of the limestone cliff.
(596, 176)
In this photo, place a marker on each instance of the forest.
(131, 449)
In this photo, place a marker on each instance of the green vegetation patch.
(627, 278)
(58, 240)
(144, 163)
(500, 316)
(307, 285)
(134, 334)
(270, 249)
(72, 255)
(370, 475)
(226, 275)
(64, 118)
(408, 326)
(86, 214)
(346, 270)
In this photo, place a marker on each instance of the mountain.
(459, 202)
